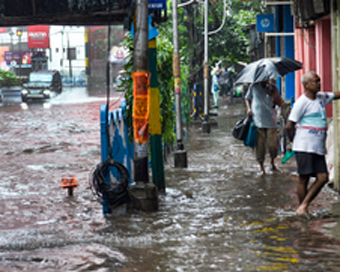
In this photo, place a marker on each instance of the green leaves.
(7, 78)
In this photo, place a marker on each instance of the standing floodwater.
(218, 214)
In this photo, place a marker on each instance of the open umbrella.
(267, 68)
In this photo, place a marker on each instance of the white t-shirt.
(310, 116)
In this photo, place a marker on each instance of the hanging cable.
(110, 179)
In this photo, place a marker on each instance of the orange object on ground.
(68, 182)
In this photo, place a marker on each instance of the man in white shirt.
(309, 138)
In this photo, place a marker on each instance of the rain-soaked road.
(217, 215)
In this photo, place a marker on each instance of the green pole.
(155, 130)
(87, 57)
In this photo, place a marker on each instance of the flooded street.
(219, 214)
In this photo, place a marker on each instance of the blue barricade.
(114, 136)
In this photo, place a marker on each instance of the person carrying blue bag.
(261, 99)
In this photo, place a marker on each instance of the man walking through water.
(261, 99)
(309, 139)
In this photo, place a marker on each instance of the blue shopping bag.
(251, 136)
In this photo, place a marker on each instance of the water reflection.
(217, 215)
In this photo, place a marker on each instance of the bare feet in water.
(302, 210)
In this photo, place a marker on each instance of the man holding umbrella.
(261, 99)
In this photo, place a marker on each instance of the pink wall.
(299, 52)
(324, 57)
(313, 49)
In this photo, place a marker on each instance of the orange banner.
(141, 82)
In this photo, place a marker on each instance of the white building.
(61, 38)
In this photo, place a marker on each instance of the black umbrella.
(267, 68)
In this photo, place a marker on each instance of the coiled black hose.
(110, 180)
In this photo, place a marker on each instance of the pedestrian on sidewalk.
(261, 100)
(215, 86)
(309, 138)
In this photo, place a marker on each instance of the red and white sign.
(3, 30)
(38, 36)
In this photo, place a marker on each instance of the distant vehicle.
(42, 85)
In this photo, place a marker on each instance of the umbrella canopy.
(267, 68)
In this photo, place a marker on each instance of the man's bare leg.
(321, 180)
(262, 168)
(274, 168)
(302, 187)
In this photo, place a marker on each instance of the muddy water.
(217, 215)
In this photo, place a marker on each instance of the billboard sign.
(157, 4)
(24, 59)
(38, 36)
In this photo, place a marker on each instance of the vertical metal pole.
(62, 49)
(108, 77)
(206, 64)
(141, 64)
(69, 58)
(12, 57)
(87, 56)
(335, 29)
(180, 156)
(205, 123)
(20, 58)
(177, 76)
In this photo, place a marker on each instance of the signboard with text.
(157, 4)
(16, 59)
(38, 36)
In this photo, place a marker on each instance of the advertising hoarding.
(38, 36)
(24, 59)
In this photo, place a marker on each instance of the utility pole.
(19, 34)
(143, 194)
(87, 56)
(205, 123)
(140, 76)
(12, 57)
(69, 57)
(180, 155)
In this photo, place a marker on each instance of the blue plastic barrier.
(114, 135)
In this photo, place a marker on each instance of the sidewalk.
(220, 215)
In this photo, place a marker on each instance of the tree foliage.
(229, 45)
(8, 78)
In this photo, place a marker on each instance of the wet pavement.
(218, 214)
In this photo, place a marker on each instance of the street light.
(11, 35)
(19, 34)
